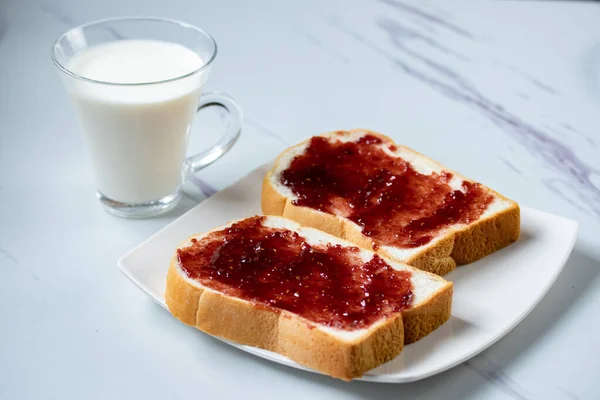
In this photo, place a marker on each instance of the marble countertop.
(505, 92)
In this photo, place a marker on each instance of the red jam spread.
(393, 203)
(326, 284)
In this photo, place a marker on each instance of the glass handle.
(232, 131)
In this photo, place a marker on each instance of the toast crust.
(297, 338)
(457, 247)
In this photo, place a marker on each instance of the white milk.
(137, 134)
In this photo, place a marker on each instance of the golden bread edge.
(458, 247)
(295, 337)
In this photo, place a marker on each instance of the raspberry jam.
(393, 203)
(326, 284)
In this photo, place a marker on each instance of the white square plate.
(491, 296)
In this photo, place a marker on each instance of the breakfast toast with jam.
(360, 186)
(310, 296)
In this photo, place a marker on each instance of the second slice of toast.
(360, 186)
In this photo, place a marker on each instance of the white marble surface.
(506, 92)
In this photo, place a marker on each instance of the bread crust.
(457, 247)
(298, 338)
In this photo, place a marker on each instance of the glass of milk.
(136, 86)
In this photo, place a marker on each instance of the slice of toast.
(317, 299)
(362, 187)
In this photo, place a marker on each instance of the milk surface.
(137, 134)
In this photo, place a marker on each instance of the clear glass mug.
(137, 131)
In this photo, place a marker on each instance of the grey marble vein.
(428, 27)
(524, 96)
(14, 260)
(53, 10)
(59, 15)
(206, 189)
(562, 188)
(428, 16)
(318, 43)
(8, 255)
(492, 372)
(396, 32)
(543, 86)
(266, 131)
(403, 33)
(535, 82)
(591, 141)
(510, 166)
(569, 394)
(576, 175)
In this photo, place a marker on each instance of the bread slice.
(344, 351)
(456, 243)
